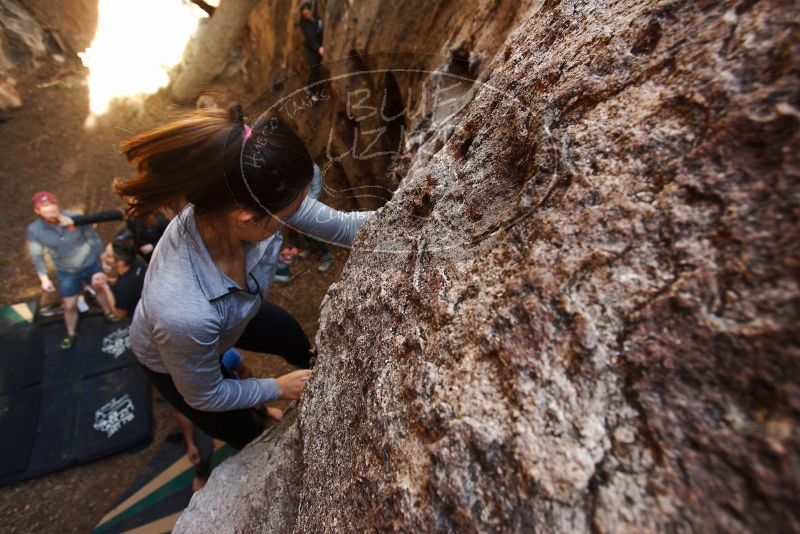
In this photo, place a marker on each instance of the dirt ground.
(44, 146)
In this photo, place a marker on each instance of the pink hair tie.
(247, 132)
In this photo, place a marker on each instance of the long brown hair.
(205, 158)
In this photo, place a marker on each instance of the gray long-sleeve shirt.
(190, 312)
(72, 249)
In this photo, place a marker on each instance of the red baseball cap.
(43, 198)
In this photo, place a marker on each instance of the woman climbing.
(206, 287)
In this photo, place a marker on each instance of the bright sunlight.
(136, 44)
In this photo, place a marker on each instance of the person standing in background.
(75, 251)
(312, 47)
(124, 288)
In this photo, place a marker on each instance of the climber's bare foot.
(275, 413)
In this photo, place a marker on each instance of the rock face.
(69, 22)
(257, 487)
(22, 45)
(30, 29)
(579, 312)
(209, 51)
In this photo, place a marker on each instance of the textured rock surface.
(209, 51)
(22, 40)
(256, 490)
(22, 45)
(30, 29)
(581, 311)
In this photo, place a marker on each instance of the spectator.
(283, 273)
(75, 253)
(123, 292)
(312, 47)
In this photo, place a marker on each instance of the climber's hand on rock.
(292, 384)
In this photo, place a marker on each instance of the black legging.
(313, 59)
(272, 330)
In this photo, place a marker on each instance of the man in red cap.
(75, 251)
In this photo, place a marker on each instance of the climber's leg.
(274, 331)
(235, 427)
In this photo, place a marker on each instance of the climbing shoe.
(283, 273)
(67, 342)
(327, 262)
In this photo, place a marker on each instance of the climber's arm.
(327, 224)
(191, 356)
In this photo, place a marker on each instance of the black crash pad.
(18, 428)
(21, 357)
(62, 408)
